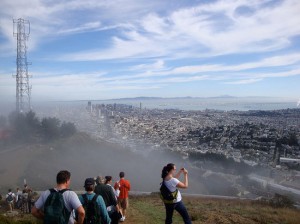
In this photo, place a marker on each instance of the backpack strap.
(52, 190)
(85, 199)
(95, 198)
(63, 190)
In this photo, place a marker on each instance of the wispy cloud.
(140, 45)
(245, 81)
(207, 29)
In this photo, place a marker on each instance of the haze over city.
(113, 49)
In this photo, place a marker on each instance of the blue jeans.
(180, 208)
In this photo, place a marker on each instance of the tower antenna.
(21, 31)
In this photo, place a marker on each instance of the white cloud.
(245, 81)
(207, 29)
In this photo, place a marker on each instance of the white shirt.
(171, 185)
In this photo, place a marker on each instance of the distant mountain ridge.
(184, 97)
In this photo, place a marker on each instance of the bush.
(27, 127)
(51, 128)
(281, 201)
(67, 129)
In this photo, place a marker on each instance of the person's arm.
(81, 213)
(37, 209)
(185, 183)
(37, 213)
(128, 186)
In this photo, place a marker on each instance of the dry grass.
(150, 210)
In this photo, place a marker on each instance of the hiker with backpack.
(10, 199)
(55, 205)
(170, 195)
(93, 204)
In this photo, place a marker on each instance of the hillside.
(150, 210)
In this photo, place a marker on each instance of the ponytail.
(165, 171)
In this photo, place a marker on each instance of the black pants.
(180, 208)
(115, 217)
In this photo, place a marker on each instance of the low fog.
(37, 162)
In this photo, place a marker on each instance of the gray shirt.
(70, 198)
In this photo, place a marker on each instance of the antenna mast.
(21, 31)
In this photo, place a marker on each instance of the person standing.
(96, 213)
(123, 186)
(26, 197)
(18, 198)
(170, 181)
(55, 205)
(10, 199)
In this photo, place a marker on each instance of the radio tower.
(21, 30)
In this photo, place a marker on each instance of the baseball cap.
(89, 181)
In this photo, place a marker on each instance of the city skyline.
(127, 48)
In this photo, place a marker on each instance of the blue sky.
(103, 49)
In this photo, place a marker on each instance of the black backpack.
(10, 197)
(92, 210)
(166, 195)
(55, 211)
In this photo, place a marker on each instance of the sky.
(104, 49)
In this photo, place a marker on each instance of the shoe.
(122, 219)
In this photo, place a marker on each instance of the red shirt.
(124, 188)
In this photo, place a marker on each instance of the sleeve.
(128, 186)
(103, 211)
(74, 201)
(39, 204)
(116, 186)
(175, 181)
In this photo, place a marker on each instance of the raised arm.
(185, 183)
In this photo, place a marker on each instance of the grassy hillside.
(150, 210)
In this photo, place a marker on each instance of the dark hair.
(165, 171)
(122, 174)
(63, 176)
(89, 188)
(107, 179)
(9, 190)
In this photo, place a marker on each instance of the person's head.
(108, 179)
(63, 177)
(89, 184)
(9, 190)
(169, 169)
(99, 180)
(122, 175)
(25, 186)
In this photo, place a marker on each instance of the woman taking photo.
(171, 183)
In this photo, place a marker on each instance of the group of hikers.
(101, 202)
(104, 203)
(22, 200)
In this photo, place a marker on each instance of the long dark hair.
(165, 171)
